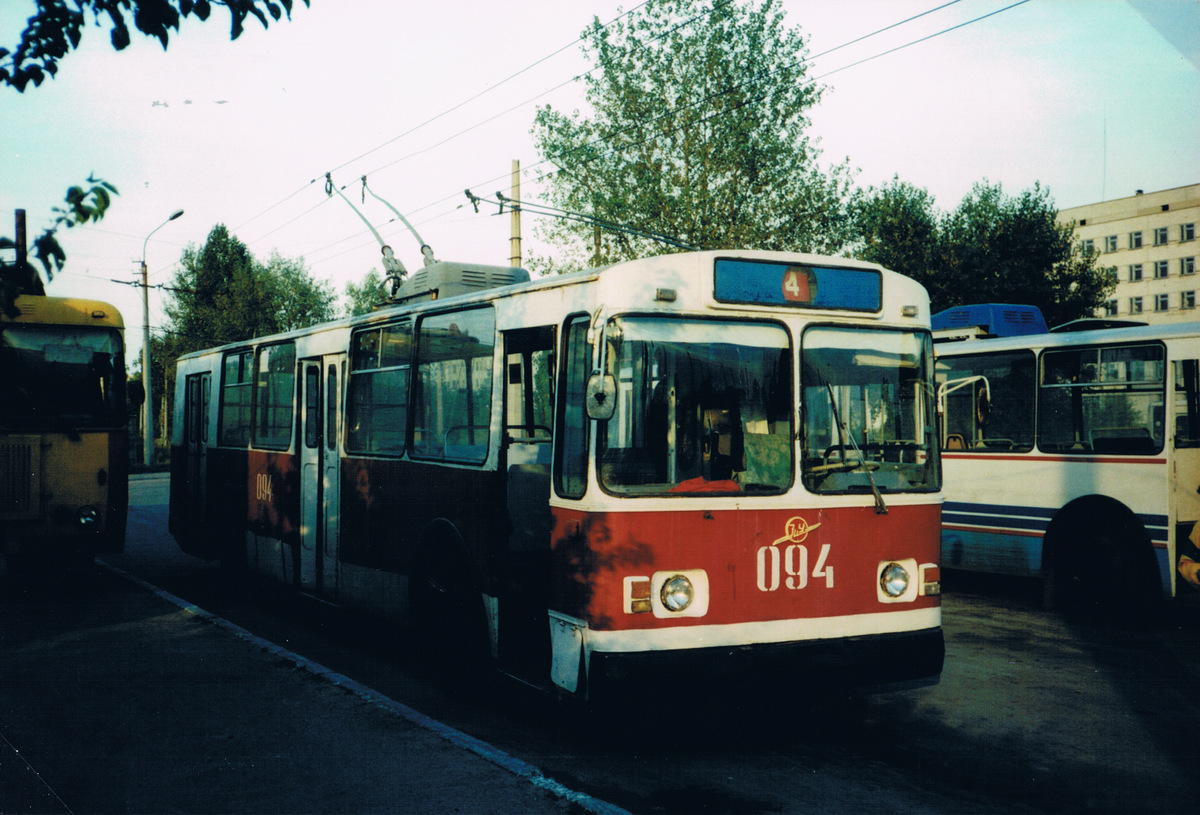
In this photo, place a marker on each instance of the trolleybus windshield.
(60, 375)
(702, 406)
(868, 413)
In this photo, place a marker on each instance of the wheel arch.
(1071, 538)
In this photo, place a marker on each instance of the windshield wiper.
(844, 434)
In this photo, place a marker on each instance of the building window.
(1135, 240)
(1187, 232)
(1160, 269)
(1089, 247)
(1110, 275)
(1187, 265)
(1110, 243)
(1110, 308)
(1135, 305)
(1160, 302)
(1187, 299)
(1160, 236)
(1135, 272)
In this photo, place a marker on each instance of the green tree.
(57, 27)
(362, 297)
(992, 248)
(83, 205)
(897, 226)
(697, 131)
(222, 294)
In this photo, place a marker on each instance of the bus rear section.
(64, 461)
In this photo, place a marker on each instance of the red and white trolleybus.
(671, 468)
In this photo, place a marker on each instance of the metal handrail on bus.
(950, 386)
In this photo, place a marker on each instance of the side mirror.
(135, 395)
(601, 396)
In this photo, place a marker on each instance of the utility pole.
(147, 382)
(514, 258)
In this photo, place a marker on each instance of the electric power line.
(447, 111)
(749, 85)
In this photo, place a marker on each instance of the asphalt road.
(114, 699)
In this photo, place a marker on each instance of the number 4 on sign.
(795, 286)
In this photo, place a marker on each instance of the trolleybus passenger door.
(331, 479)
(196, 444)
(524, 568)
(1186, 465)
(319, 422)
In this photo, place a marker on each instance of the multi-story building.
(1148, 242)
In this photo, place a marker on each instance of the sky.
(1091, 99)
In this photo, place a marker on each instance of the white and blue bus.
(1071, 455)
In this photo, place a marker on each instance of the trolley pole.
(147, 382)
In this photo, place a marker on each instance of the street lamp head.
(176, 215)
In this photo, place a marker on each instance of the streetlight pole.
(148, 406)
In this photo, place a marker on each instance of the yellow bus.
(64, 458)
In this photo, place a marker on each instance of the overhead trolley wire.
(750, 83)
(445, 112)
(922, 39)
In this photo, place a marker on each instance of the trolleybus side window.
(1187, 403)
(868, 415)
(452, 406)
(378, 391)
(234, 416)
(275, 388)
(989, 402)
(571, 440)
(702, 407)
(529, 369)
(331, 407)
(1102, 400)
(312, 407)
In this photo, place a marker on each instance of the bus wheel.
(448, 612)
(1101, 564)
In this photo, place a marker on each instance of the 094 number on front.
(788, 566)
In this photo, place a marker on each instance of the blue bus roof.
(995, 319)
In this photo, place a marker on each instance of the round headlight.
(894, 580)
(677, 593)
(89, 518)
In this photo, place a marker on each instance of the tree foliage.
(82, 205)
(222, 294)
(361, 298)
(992, 248)
(57, 28)
(697, 131)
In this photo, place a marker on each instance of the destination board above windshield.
(786, 284)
